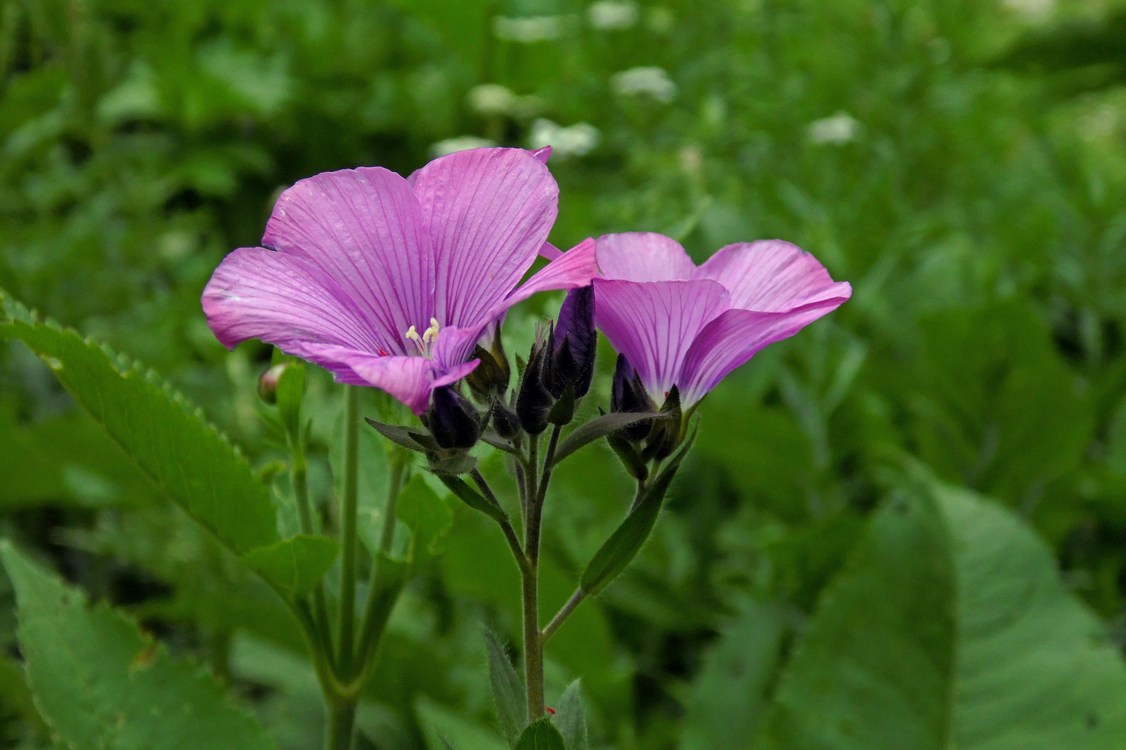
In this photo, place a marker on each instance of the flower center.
(424, 341)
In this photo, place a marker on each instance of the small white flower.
(458, 143)
(612, 15)
(839, 129)
(572, 140)
(528, 29)
(1033, 10)
(645, 81)
(491, 99)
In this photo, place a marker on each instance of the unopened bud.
(575, 342)
(628, 395)
(505, 421)
(452, 420)
(533, 400)
(490, 378)
(268, 383)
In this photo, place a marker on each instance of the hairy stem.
(348, 541)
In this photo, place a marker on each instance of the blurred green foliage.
(963, 163)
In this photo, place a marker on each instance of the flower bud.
(505, 421)
(575, 342)
(452, 420)
(490, 378)
(533, 400)
(268, 383)
(628, 395)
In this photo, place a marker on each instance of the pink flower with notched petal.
(390, 282)
(688, 326)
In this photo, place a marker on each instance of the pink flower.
(688, 326)
(389, 282)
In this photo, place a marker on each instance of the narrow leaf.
(411, 439)
(508, 691)
(541, 735)
(599, 427)
(950, 629)
(472, 497)
(295, 565)
(570, 719)
(626, 541)
(99, 682)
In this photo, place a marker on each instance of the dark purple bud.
(505, 421)
(572, 360)
(452, 420)
(628, 395)
(534, 400)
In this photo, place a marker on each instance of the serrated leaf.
(99, 682)
(166, 436)
(950, 630)
(570, 719)
(294, 565)
(598, 427)
(508, 691)
(541, 735)
(626, 541)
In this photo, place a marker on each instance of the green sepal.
(629, 456)
(596, 428)
(563, 410)
(414, 440)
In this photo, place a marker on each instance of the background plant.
(976, 205)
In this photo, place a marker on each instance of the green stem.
(298, 476)
(348, 541)
(341, 715)
(377, 607)
(533, 642)
(562, 615)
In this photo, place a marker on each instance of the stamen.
(426, 339)
(430, 335)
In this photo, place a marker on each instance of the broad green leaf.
(626, 540)
(729, 694)
(99, 682)
(508, 691)
(950, 630)
(541, 735)
(570, 719)
(427, 515)
(167, 437)
(295, 565)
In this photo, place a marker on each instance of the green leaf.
(411, 439)
(541, 735)
(167, 437)
(508, 691)
(295, 565)
(443, 728)
(570, 719)
(99, 682)
(950, 629)
(729, 694)
(596, 428)
(427, 515)
(626, 541)
(472, 497)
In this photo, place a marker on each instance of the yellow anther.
(430, 334)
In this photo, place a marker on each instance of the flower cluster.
(393, 283)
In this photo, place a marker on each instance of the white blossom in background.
(647, 80)
(571, 140)
(612, 15)
(458, 143)
(528, 29)
(1033, 10)
(836, 130)
(491, 99)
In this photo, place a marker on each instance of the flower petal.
(571, 269)
(363, 228)
(643, 256)
(489, 211)
(287, 301)
(772, 276)
(736, 336)
(654, 323)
